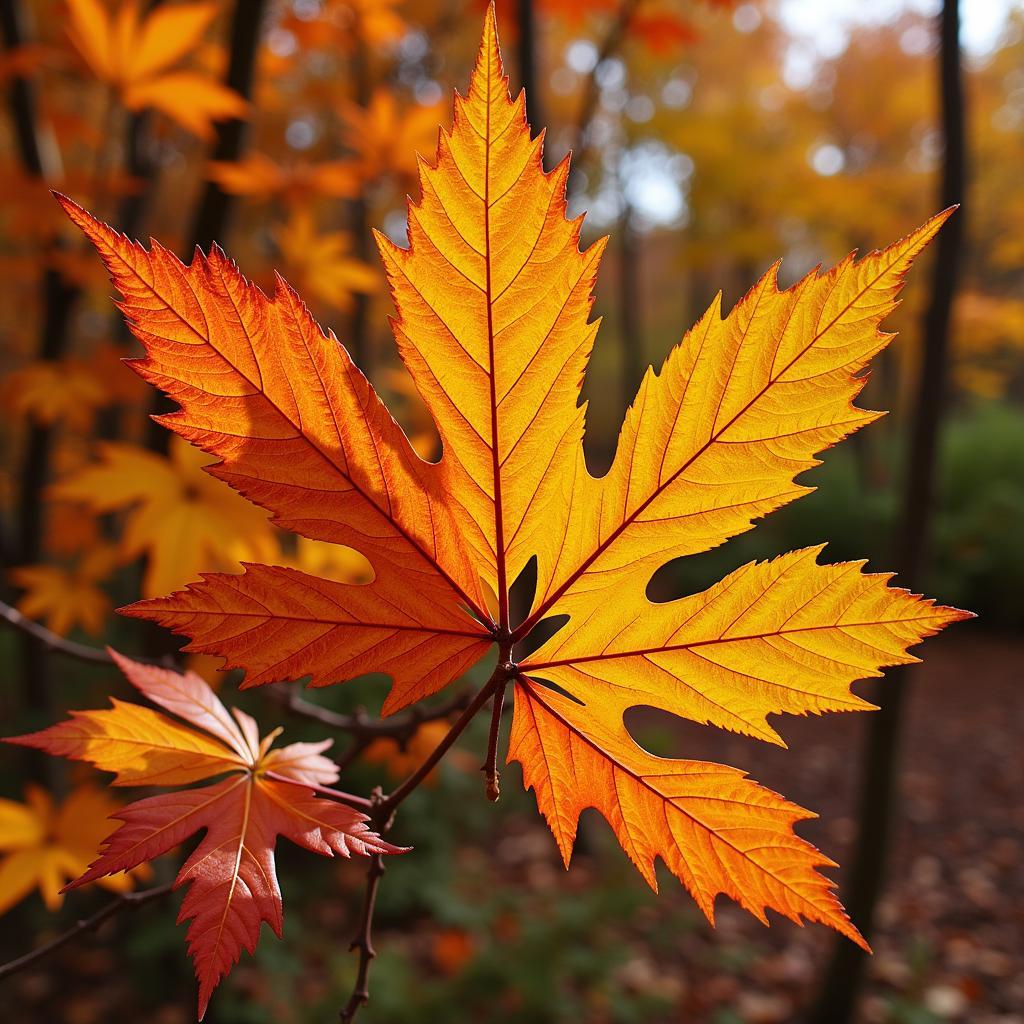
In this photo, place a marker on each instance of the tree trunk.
(879, 787)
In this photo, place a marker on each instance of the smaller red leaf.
(231, 875)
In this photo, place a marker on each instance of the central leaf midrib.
(499, 526)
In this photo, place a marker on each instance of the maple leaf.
(385, 138)
(179, 517)
(51, 391)
(347, 24)
(323, 264)
(258, 176)
(401, 759)
(43, 846)
(136, 53)
(493, 297)
(64, 598)
(260, 793)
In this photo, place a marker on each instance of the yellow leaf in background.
(385, 139)
(49, 392)
(374, 22)
(260, 177)
(332, 561)
(43, 847)
(64, 598)
(343, 25)
(321, 264)
(191, 98)
(181, 518)
(401, 760)
(135, 53)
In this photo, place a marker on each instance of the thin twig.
(56, 643)
(382, 816)
(126, 901)
(364, 941)
(388, 805)
(490, 765)
(400, 728)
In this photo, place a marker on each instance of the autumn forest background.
(709, 138)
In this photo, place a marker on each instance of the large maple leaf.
(493, 297)
(261, 793)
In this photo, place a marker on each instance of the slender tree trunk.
(214, 208)
(358, 341)
(40, 158)
(592, 90)
(631, 339)
(529, 77)
(879, 788)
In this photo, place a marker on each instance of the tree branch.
(364, 942)
(383, 812)
(390, 803)
(126, 901)
(58, 644)
(400, 728)
(490, 765)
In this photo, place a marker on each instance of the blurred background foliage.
(710, 137)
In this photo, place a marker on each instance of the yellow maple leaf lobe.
(493, 299)
(43, 845)
(137, 53)
(179, 517)
(715, 440)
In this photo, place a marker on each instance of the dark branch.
(126, 901)
(490, 765)
(364, 941)
(51, 641)
(400, 728)
(390, 803)
(382, 816)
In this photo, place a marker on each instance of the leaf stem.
(360, 803)
(490, 765)
(388, 805)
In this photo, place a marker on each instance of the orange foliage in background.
(295, 529)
